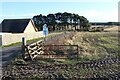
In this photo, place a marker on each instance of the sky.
(93, 10)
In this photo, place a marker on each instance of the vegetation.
(98, 58)
(96, 45)
(62, 21)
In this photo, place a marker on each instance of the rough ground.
(98, 58)
(96, 44)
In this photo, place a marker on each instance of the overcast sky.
(93, 10)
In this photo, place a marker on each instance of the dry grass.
(113, 28)
(95, 44)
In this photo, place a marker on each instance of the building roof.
(15, 25)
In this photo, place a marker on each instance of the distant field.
(114, 28)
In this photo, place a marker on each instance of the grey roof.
(14, 25)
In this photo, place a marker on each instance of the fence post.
(23, 46)
(23, 41)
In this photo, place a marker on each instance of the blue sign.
(45, 29)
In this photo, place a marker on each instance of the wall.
(9, 38)
(29, 28)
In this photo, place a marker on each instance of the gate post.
(23, 41)
(23, 46)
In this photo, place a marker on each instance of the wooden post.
(23, 41)
(23, 46)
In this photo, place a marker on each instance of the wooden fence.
(39, 49)
(61, 51)
(33, 50)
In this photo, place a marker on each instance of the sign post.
(45, 31)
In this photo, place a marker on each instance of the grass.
(109, 39)
(111, 46)
(36, 39)
(96, 45)
(68, 61)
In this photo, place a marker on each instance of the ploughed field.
(98, 58)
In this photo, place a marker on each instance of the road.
(9, 53)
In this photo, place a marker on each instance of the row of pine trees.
(62, 21)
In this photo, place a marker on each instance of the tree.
(51, 21)
(38, 20)
(84, 23)
(64, 19)
(61, 21)
(58, 17)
